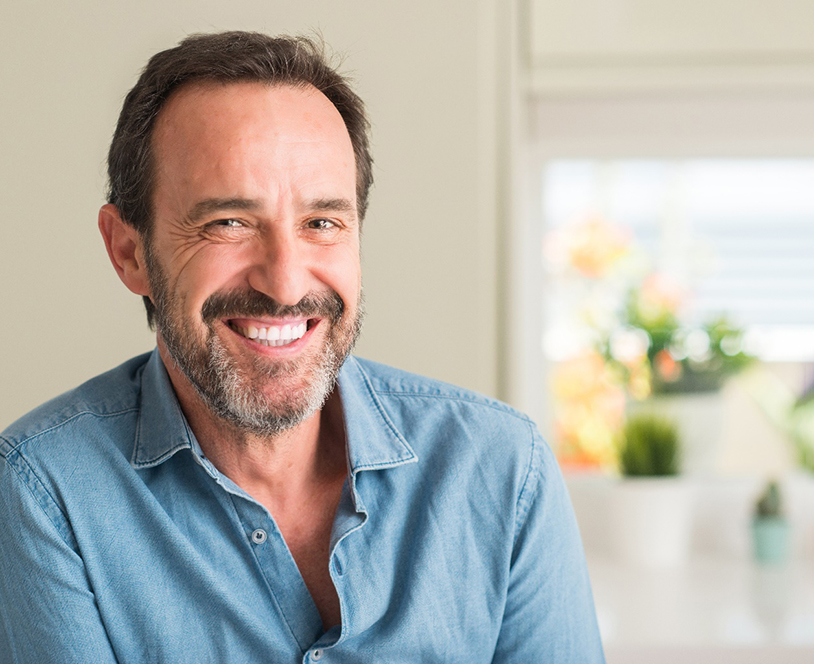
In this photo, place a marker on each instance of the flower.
(658, 300)
(590, 410)
(630, 341)
(667, 369)
(592, 247)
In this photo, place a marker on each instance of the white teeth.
(274, 335)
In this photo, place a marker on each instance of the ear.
(125, 248)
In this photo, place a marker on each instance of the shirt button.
(316, 654)
(259, 536)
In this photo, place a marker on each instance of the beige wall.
(428, 72)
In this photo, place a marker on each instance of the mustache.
(254, 304)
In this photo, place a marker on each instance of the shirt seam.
(15, 457)
(16, 447)
(161, 458)
(64, 531)
(463, 399)
(523, 506)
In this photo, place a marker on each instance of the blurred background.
(600, 211)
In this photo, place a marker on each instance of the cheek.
(208, 272)
(344, 275)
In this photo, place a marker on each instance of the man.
(248, 492)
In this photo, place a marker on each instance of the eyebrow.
(207, 206)
(330, 204)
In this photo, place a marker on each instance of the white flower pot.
(651, 521)
(699, 417)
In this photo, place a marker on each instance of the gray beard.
(231, 396)
(237, 395)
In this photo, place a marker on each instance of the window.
(717, 190)
(738, 234)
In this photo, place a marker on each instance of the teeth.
(275, 335)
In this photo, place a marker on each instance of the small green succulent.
(770, 503)
(649, 447)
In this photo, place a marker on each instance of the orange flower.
(594, 246)
(667, 368)
(590, 411)
(660, 298)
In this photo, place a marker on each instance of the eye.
(225, 230)
(320, 224)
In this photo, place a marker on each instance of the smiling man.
(249, 491)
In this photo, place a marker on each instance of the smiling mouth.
(272, 335)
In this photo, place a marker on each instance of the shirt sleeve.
(48, 611)
(549, 614)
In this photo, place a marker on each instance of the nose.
(280, 268)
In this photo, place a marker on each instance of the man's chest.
(307, 534)
(196, 565)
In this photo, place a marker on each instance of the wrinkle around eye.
(225, 230)
(187, 247)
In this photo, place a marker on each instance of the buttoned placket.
(274, 560)
(265, 542)
(280, 571)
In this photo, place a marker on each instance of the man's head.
(245, 237)
(227, 57)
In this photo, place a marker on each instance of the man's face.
(253, 258)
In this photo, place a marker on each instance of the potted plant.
(676, 368)
(770, 528)
(651, 511)
(649, 447)
(655, 353)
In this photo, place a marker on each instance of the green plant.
(649, 446)
(770, 503)
(680, 358)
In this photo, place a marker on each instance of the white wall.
(428, 71)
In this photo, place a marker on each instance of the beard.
(236, 391)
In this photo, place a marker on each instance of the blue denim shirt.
(454, 540)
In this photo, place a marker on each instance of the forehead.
(226, 129)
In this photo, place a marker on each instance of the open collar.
(373, 441)
(162, 429)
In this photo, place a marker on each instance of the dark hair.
(226, 57)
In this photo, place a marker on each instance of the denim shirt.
(454, 539)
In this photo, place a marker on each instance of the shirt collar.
(373, 441)
(162, 429)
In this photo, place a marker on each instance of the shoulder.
(109, 395)
(394, 384)
(482, 446)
